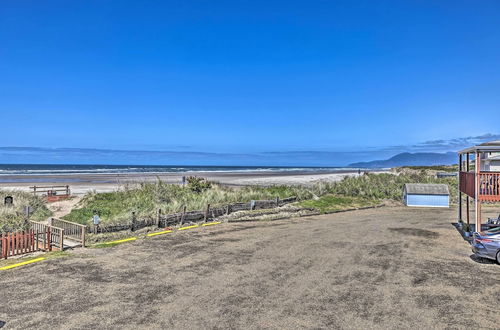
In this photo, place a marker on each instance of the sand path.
(61, 208)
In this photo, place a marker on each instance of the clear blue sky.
(247, 77)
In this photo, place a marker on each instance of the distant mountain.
(411, 159)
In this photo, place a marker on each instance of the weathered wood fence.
(209, 213)
(72, 230)
(54, 237)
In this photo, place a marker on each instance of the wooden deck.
(488, 185)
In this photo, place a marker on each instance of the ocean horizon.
(75, 169)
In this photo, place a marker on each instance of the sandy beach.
(82, 183)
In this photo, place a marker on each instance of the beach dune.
(83, 183)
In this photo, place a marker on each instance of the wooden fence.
(12, 244)
(39, 237)
(51, 190)
(209, 213)
(72, 230)
(53, 238)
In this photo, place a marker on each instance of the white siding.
(491, 162)
(428, 200)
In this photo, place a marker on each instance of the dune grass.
(12, 217)
(331, 203)
(146, 198)
(387, 186)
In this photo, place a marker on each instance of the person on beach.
(96, 220)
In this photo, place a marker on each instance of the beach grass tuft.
(12, 217)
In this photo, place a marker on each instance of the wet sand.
(82, 183)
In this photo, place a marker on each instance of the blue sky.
(245, 82)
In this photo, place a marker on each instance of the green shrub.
(197, 184)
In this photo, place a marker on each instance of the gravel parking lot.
(387, 268)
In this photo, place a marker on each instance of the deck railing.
(489, 186)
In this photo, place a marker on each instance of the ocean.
(44, 169)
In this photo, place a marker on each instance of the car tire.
(498, 257)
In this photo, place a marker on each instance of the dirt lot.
(394, 268)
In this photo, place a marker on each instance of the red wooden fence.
(12, 244)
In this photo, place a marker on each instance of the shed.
(426, 195)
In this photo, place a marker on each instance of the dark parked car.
(486, 244)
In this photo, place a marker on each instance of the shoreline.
(83, 183)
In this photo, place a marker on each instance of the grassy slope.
(388, 186)
(12, 217)
(440, 168)
(329, 203)
(116, 207)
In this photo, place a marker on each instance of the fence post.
(277, 201)
(61, 239)
(158, 218)
(227, 209)
(44, 239)
(49, 239)
(3, 255)
(207, 210)
(183, 214)
(83, 229)
(133, 221)
(252, 205)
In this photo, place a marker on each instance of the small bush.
(197, 184)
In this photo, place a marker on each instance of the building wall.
(494, 165)
(490, 162)
(427, 200)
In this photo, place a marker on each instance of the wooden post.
(467, 198)
(133, 221)
(183, 214)
(4, 245)
(277, 201)
(44, 239)
(83, 229)
(227, 209)
(459, 191)
(49, 239)
(207, 210)
(158, 218)
(61, 239)
(478, 191)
